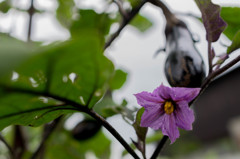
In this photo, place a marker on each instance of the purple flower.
(167, 109)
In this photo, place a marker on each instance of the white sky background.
(132, 51)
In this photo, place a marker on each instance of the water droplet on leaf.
(33, 82)
(65, 79)
(82, 100)
(72, 77)
(43, 99)
(15, 76)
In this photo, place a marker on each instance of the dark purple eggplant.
(184, 66)
(86, 129)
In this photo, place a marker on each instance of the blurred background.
(216, 132)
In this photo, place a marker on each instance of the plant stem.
(226, 67)
(120, 8)
(144, 150)
(11, 152)
(48, 130)
(210, 57)
(169, 16)
(159, 147)
(125, 21)
(19, 142)
(214, 74)
(113, 132)
(31, 12)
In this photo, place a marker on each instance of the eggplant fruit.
(86, 129)
(184, 66)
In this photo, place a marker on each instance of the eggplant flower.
(167, 109)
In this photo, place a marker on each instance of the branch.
(214, 74)
(31, 12)
(210, 57)
(81, 108)
(19, 142)
(144, 150)
(159, 147)
(226, 67)
(121, 9)
(113, 132)
(124, 22)
(11, 152)
(48, 130)
(169, 16)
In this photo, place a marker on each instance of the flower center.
(168, 107)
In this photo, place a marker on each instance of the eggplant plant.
(43, 85)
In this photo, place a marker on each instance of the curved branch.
(124, 22)
(169, 16)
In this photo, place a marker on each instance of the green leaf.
(65, 12)
(89, 19)
(122, 109)
(118, 79)
(233, 21)
(75, 70)
(134, 3)
(29, 110)
(13, 52)
(141, 23)
(89, 69)
(106, 107)
(235, 43)
(140, 131)
(155, 137)
(70, 148)
(4, 6)
(213, 23)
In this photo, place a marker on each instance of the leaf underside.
(74, 71)
(213, 23)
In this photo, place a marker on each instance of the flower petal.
(158, 123)
(184, 116)
(181, 93)
(146, 99)
(169, 127)
(150, 117)
(163, 92)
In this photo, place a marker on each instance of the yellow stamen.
(168, 107)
